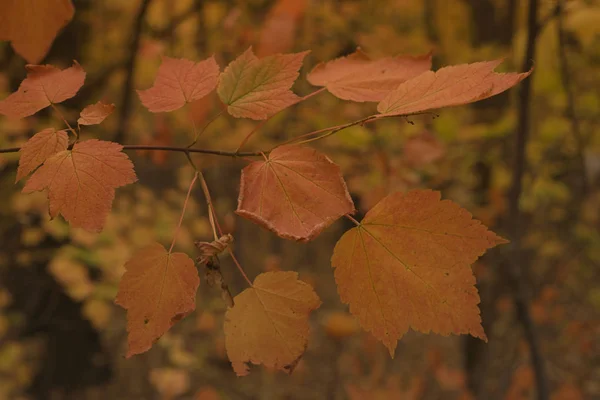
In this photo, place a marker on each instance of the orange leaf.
(157, 288)
(408, 265)
(44, 85)
(37, 149)
(180, 81)
(257, 89)
(358, 78)
(95, 113)
(296, 193)
(81, 182)
(449, 86)
(32, 25)
(269, 322)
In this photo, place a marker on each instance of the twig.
(516, 229)
(565, 76)
(130, 67)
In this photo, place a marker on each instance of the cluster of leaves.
(405, 265)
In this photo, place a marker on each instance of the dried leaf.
(257, 89)
(358, 78)
(81, 182)
(37, 149)
(449, 86)
(157, 288)
(180, 81)
(296, 193)
(32, 25)
(269, 322)
(95, 113)
(44, 85)
(407, 265)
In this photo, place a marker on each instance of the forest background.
(62, 336)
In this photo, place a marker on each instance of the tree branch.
(565, 75)
(517, 264)
(130, 68)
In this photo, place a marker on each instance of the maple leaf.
(44, 85)
(32, 25)
(269, 322)
(95, 113)
(37, 149)
(81, 182)
(449, 86)
(296, 193)
(180, 81)
(157, 289)
(358, 78)
(408, 265)
(258, 88)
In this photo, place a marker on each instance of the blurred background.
(62, 337)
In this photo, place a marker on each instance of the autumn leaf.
(180, 81)
(358, 78)
(32, 25)
(296, 193)
(37, 149)
(258, 88)
(81, 182)
(95, 113)
(269, 322)
(449, 86)
(44, 85)
(158, 287)
(407, 265)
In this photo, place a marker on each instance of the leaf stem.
(187, 197)
(212, 215)
(57, 111)
(351, 218)
(263, 122)
(239, 267)
(210, 121)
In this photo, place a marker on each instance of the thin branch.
(565, 75)
(189, 150)
(130, 67)
(187, 197)
(516, 230)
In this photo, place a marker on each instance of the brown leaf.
(81, 182)
(32, 25)
(257, 89)
(269, 322)
(157, 288)
(180, 81)
(44, 85)
(37, 149)
(358, 78)
(407, 265)
(449, 86)
(95, 113)
(296, 193)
